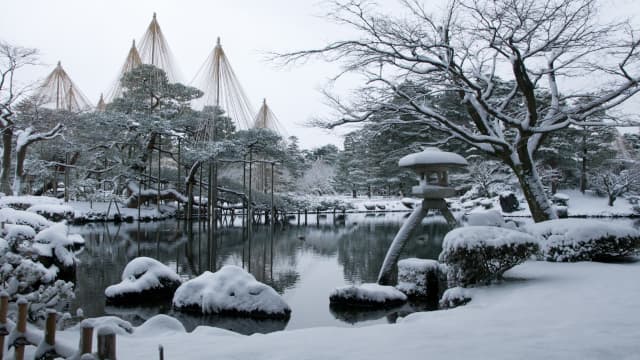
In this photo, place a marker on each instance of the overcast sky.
(92, 38)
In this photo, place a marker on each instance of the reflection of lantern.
(432, 166)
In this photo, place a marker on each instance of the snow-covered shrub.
(367, 295)
(584, 240)
(455, 297)
(420, 277)
(143, 279)
(17, 235)
(230, 290)
(19, 217)
(53, 212)
(54, 244)
(480, 254)
(491, 217)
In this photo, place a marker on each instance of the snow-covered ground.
(541, 311)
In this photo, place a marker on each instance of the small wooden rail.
(46, 349)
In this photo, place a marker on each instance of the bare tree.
(615, 182)
(473, 47)
(12, 59)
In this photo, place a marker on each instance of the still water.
(303, 263)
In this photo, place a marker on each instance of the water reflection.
(304, 263)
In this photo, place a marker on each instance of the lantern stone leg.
(393, 254)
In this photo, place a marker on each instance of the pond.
(303, 263)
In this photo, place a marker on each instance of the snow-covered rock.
(20, 217)
(491, 217)
(419, 277)
(53, 212)
(369, 294)
(480, 254)
(508, 202)
(230, 290)
(143, 280)
(584, 239)
(455, 297)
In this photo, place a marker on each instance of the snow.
(475, 236)
(432, 156)
(229, 290)
(367, 293)
(140, 274)
(19, 217)
(52, 209)
(26, 201)
(552, 311)
(19, 232)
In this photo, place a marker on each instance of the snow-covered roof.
(432, 156)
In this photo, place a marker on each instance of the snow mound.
(230, 290)
(369, 295)
(160, 325)
(480, 254)
(491, 217)
(53, 212)
(143, 279)
(584, 239)
(19, 217)
(4, 246)
(418, 277)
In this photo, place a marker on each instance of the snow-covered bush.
(455, 297)
(508, 202)
(143, 279)
(491, 217)
(420, 277)
(53, 212)
(230, 290)
(55, 245)
(584, 240)
(480, 254)
(20, 217)
(367, 295)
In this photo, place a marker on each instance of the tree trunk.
(583, 170)
(5, 173)
(612, 199)
(533, 190)
(21, 155)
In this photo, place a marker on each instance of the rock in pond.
(230, 291)
(367, 295)
(144, 280)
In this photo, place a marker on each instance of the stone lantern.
(432, 166)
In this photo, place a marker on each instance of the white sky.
(92, 38)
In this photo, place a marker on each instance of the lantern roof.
(432, 156)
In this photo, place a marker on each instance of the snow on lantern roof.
(434, 157)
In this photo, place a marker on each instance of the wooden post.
(66, 177)
(50, 328)
(4, 308)
(305, 217)
(161, 351)
(86, 338)
(22, 328)
(159, 171)
(106, 344)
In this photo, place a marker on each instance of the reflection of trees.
(362, 251)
